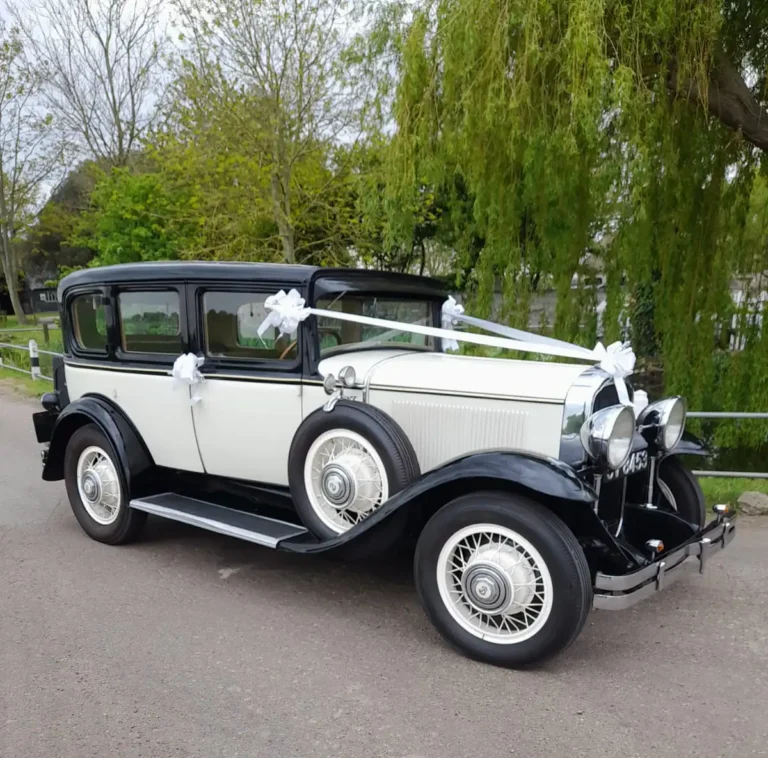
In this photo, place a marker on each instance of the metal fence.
(34, 371)
(730, 415)
(34, 359)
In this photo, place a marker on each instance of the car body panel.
(451, 405)
(125, 439)
(154, 403)
(258, 418)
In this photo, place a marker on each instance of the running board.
(261, 530)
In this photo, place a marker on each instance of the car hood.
(448, 374)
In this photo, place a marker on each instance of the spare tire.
(345, 463)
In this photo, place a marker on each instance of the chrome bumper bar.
(615, 593)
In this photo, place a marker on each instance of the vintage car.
(315, 410)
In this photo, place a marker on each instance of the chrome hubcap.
(486, 588)
(494, 583)
(98, 485)
(345, 478)
(91, 487)
(337, 486)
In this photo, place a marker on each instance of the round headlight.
(607, 435)
(669, 415)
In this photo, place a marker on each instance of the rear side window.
(150, 322)
(89, 321)
(232, 320)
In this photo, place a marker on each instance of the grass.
(23, 385)
(12, 322)
(718, 490)
(20, 358)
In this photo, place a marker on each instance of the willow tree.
(617, 134)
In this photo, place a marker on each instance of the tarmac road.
(190, 644)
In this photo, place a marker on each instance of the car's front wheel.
(97, 488)
(502, 579)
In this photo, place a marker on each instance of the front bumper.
(615, 593)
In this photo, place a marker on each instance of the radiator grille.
(443, 430)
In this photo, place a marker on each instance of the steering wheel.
(288, 349)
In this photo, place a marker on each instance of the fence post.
(46, 336)
(34, 360)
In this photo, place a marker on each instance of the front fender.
(95, 409)
(534, 475)
(689, 444)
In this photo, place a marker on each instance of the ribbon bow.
(451, 311)
(618, 361)
(186, 371)
(286, 312)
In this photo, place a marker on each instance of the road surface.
(194, 645)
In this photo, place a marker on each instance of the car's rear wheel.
(345, 464)
(97, 490)
(502, 579)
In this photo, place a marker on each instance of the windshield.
(341, 335)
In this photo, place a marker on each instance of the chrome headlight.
(667, 419)
(607, 435)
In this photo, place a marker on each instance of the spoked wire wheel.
(345, 479)
(494, 583)
(98, 485)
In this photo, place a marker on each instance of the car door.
(250, 399)
(124, 343)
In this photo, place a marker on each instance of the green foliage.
(135, 217)
(577, 132)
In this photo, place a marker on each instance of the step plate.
(216, 518)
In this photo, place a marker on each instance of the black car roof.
(332, 279)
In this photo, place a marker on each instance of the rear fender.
(126, 442)
(543, 479)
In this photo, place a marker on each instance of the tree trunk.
(16, 303)
(283, 219)
(11, 280)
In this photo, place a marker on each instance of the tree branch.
(729, 99)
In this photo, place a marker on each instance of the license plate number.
(635, 463)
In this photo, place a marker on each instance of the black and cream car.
(316, 410)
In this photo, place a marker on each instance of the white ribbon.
(640, 401)
(186, 371)
(451, 311)
(618, 361)
(286, 311)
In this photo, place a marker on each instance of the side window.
(232, 320)
(89, 322)
(150, 322)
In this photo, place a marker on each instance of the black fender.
(689, 444)
(537, 476)
(126, 442)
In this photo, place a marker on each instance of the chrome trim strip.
(620, 592)
(129, 369)
(463, 393)
(254, 378)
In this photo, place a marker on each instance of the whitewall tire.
(97, 490)
(502, 578)
(344, 465)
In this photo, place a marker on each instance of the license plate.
(635, 463)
